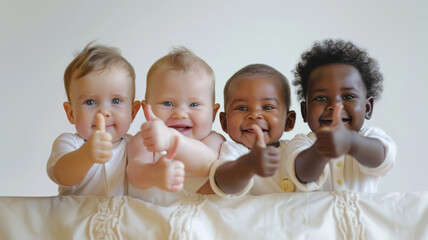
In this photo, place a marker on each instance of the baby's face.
(108, 92)
(184, 101)
(331, 85)
(255, 100)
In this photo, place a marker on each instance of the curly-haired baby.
(337, 85)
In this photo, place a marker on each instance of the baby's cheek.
(83, 132)
(275, 122)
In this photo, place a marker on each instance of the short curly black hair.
(338, 51)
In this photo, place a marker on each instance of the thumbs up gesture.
(100, 142)
(335, 140)
(264, 160)
(157, 137)
(171, 172)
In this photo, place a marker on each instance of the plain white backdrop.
(38, 39)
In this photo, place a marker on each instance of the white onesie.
(344, 173)
(107, 179)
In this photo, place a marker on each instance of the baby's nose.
(255, 115)
(180, 113)
(105, 111)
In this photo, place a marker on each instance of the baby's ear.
(135, 108)
(369, 107)
(143, 103)
(303, 110)
(215, 110)
(69, 111)
(223, 121)
(290, 121)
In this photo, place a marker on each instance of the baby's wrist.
(246, 163)
(87, 153)
(352, 138)
(172, 138)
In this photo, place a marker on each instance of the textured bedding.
(316, 215)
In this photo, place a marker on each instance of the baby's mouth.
(181, 128)
(107, 126)
(329, 122)
(252, 131)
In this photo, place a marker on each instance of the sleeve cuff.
(305, 187)
(218, 191)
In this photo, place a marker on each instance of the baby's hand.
(99, 144)
(335, 140)
(156, 135)
(264, 160)
(170, 172)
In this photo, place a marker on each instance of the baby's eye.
(321, 99)
(167, 103)
(241, 108)
(116, 101)
(268, 107)
(348, 97)
(90, 102)
(194, 104)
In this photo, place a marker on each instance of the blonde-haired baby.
(180, 108)
(100, 87)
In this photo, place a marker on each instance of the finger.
(271, 150)
(101, 123)
(176, 186)
(260, 140)
(148, 113)
(179, 167)
(102, 155)
(171, 153)
(337, 119)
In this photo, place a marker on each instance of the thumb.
(101, 123)
(337, 119)
(260, 140)
(171, 153)
(148, 112)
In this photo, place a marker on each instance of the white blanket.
(316, 215)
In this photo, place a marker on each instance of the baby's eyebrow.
(238, 100)
(348, 88)
(85, 96)
(271, 99)
(120, 95)
(321, 90)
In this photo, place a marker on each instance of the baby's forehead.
(339, 72)
(255, 82)
(193, 78)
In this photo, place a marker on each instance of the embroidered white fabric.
(313, 215)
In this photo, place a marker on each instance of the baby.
(338, 84)
(100, 87)
(180, 108)
(257, 113)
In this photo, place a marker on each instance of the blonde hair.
(95, 58)
(181, 58)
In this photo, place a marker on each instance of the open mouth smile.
(251, 131)
(181, 128)
(329, 122)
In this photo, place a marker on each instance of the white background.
(38, 39)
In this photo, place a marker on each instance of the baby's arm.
(72, 168)
(232, 177)
(214, 141)
(144, 173)
(196, 156)
(335, 141)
